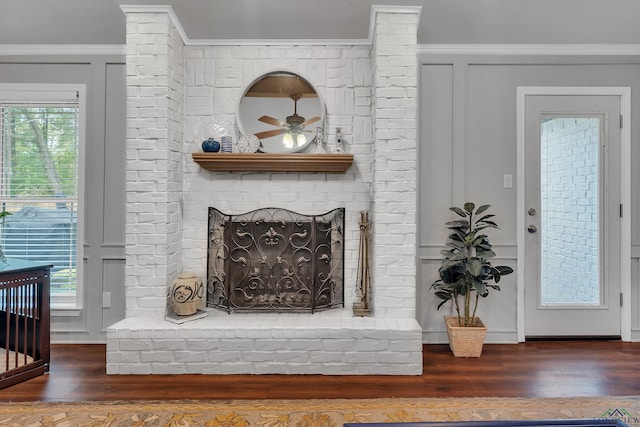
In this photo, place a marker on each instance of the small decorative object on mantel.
(210, 145)
(227, 144)
(363, 307)
(210, 128)
(248, 144)
(184, 299)
(320, 140)
(339, 145)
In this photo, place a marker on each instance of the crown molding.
(423, 49)
(61, 49)
(529, 49)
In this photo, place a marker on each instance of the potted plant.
(466, 274)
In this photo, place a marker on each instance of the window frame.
(46, 93)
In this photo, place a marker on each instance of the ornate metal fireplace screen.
(275, 260)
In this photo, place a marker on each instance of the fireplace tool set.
(363, 308)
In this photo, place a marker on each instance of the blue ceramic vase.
(210, 146)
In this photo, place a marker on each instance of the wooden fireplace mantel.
(274, 162)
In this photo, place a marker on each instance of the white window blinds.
(39, 184)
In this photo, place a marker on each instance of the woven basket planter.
(465, 341)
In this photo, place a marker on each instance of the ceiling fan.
(292, 127)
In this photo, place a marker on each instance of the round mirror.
(282, 110)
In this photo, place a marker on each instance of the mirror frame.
(312, 136)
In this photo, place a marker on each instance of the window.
(41, 140)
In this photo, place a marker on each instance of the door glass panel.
(570, 217)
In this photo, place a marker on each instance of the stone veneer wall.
(371, 95)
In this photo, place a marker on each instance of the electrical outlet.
(508, 181)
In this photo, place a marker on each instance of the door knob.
(532, 229)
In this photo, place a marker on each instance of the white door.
(572, 216)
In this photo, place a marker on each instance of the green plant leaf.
(447, 252)
(457, 236)
(455, 246)
(458, 211)
(485, 243)
(444, 295)
(443, 302)
(451, 273)
(447, 264)
(482, 209)
(480, 240)
(458, 224)
(490, 224)
(469, 207)
(486, 253)
(474, 266)
(504, 270)
(482, 227)
(480, 287)
(486, 217)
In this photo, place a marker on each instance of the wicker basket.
(465, 341)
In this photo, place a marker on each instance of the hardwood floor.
(532, 369)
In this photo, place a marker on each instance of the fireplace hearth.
(275, 260)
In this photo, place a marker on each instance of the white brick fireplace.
(370, 92)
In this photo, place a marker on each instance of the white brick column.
(155, 87)
(395, 160)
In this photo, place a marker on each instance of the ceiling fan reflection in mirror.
(293, 127)
(283, 110)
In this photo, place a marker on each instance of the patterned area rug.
(308, 413)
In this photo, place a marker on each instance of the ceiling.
(442, 21)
